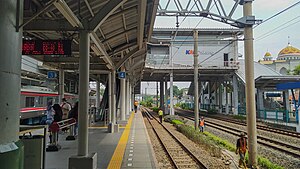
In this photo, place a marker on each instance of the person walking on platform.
(136, 103)
(201, 124)
(66, 107)
(160, 115)
(241, 149)
(50, 116)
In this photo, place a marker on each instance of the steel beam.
(104, 13)
(141, 22)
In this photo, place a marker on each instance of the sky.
(271, 36)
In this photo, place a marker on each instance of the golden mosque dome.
(268, 54)
(289, 50)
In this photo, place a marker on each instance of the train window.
(29, 102)
(41, 100)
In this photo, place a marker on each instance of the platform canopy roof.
(119, 30)
(270, 82)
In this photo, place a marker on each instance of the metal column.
(123, 97)
(196, 97)
(250, 92)
(11, 155)
(61, 85)
(235, 97)
(84, 65)
(161, 96)
(171, 94)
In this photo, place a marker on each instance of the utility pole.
(156, 93)
(196, 98)
(250, 90)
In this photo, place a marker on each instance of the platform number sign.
(51, 75)
(122, 75)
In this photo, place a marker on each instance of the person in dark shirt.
(57, 113)
(241, 149)
(74, 114)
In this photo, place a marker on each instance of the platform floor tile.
(139, 153)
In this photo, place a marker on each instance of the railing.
(188, 65)
(55, 127)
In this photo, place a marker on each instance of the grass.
(239, 117)
(177, 122)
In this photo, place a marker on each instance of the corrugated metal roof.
(259, 70)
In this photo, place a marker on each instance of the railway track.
(261, 127)
(274, 144)
(179, 155)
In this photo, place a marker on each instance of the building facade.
(287, 59)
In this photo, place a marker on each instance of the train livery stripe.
(117, 158)
(31, 109)
(38, 94)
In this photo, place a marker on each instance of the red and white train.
(34, 102)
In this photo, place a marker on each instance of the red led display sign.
(46, 47)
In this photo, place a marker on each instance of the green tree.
(296, 71)
(176, 91)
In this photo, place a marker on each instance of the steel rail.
(198, 162)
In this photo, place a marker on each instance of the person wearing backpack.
(241, 149)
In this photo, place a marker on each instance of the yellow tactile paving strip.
(116, 160)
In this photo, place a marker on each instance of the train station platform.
(129, 148)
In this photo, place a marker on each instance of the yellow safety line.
(116, 160)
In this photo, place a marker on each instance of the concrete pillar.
(171, 94)
(286, 101)
(260, 99)
(110, 97)
(250, 87)
(226, 98)
(61, 89)
(98, 93)
(235, 97)
(196, 76)
(209, 93)
(10, 86)
(161, 97)
(127, 98)
(113, 108)
(84, 66)
(166, 97)
(83, 158)
(123, 97)
(220, 98)
(130, 96)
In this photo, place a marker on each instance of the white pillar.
(84, 65)
(98, 93)
(10, 85)
(123, 97)
(110, 97)
(127, 97)
(113, 106)
(61, 90)
(235, 97)
(171, 94)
